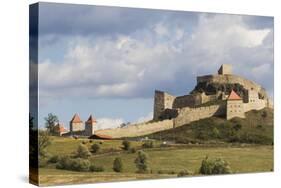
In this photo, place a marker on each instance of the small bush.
(133, 150)
(117, 165)
(142, 162)
(126, 145)
(83, 152)
(216, 166)
(237, 127)
(54, 159)
(147, 144)
(94, 168)
(77, 164)
(95, 148)
(215, 133)
(90, 141)
(80, 165)
(183, 173)
(84, 142)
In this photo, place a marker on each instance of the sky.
(108, 61)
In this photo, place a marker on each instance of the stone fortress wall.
(137, 129)
(187, 114)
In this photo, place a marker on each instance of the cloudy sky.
(107, 61)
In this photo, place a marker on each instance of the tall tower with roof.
(76, 124)
(234, 106)
(90, 126)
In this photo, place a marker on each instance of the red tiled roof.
(102, 136)
(234, 96)
(76, 119)
(91, 120)
(60, 128)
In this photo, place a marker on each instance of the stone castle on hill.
(223, 94)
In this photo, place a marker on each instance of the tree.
(117, 165)
(83, 152)
(126, 145)
(44, 141)
(51, 122)
(95, 148)
(142, 162)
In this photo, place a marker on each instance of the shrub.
(142, 162)
(133, 150)
(94, 168)
(216, 166)
(117, 165)
(77, 164)
(90, 141)
(147, 144)
(83, 152)
(95, 148)
(126, 145)
(80, 165)
(54, 159)
(237, 127)
(84, 142)
(215, 133)
(64, 163)
(184, 172)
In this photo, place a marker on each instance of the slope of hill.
(256, 128)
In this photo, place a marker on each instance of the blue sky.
(107, 61)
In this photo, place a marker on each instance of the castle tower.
(76, 124)
(90, 126)
(162, 101)
(225, 69)
(234, 106)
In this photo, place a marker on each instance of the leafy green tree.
(51, 121)
(44, 141)
(126, 145)
(83, 152)
(142, 162)
(117, 165)
(95, 148)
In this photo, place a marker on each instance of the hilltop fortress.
(223, 94)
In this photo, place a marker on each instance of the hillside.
(256, 128)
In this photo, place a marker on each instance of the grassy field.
(168, 160)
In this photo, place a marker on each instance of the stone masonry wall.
(137, 130)
(77, 127)
(187, 115)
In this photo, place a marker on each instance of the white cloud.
(136, 64)
(108, 123)
(148, 117)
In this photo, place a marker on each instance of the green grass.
(242, 159)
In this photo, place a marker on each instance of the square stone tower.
(225, 69)
(90, 126)
(76, 124)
